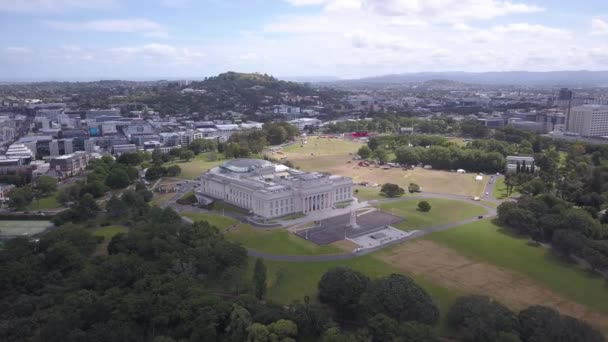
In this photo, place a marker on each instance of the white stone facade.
(270, 190)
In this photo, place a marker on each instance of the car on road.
(479, 217)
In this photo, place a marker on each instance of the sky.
(190, 39)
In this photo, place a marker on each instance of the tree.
(400, 298)
(186, 155)
(20, 198)
(392, 190)
(534, 187)
(118, 178)
(381, 154)
(46, 185)
(312, 319)
(276, 135)
(364, 152)
(407, 156)
(116, 207)
(157, 157)
(240, 320)
(173, 171)
(86, 208)
(155, 172)
(259, 279)
(413, 187)
(414, 331)
(539, 323)
(343, 288)
(424, 206)
(383, 328)
(480, 319)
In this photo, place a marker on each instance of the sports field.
(23, 227)
(442, 211)
(195, 167)
(336, 157)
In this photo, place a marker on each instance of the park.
(452, 250)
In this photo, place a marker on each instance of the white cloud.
(158, 53)
(31, 6)
(177, 3)
(133, 25)
(599, 27)
(18, 50)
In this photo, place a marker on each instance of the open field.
(333, 157)
(107, 233)
(279, 241)
(322, 147)
(442, 211)
(23, 227)
(194, 167)
(221, 222)
(45, 203)
(540, 277)
(292, 281)
(159, 198)
(366, 193)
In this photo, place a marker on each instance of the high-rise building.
(589, 120)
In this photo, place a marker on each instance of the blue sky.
(132, 39)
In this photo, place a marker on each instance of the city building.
(589, 120)
(68, 165)
(94, 113)
(117, 150)
(270, 190)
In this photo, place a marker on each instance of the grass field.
(442, 211)
(278, 241)
(322, 147)
(195, 167)
(159, 198)
(107, 233)
(366, 193)
(221, 222)
(484, 241)
(45, 203)
(333, 157)
(500, 189)
(292, 281)
(22, 227)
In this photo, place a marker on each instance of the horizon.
(348, 39)
(292, 78)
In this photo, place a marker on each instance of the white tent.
(478, 178)
(461, 171)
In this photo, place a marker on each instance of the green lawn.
(277, 241)
(292, 281)
(220, 206)
(322, 147)
(365, 193)
(23, 227)
(107, 233)
(442, 211)
(195, 167)
(45, 203)
(159, 198)
(221, 222)
(500, 189)
(485, 241)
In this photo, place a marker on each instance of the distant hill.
(550, 78)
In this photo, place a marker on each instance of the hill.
(549, 78)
